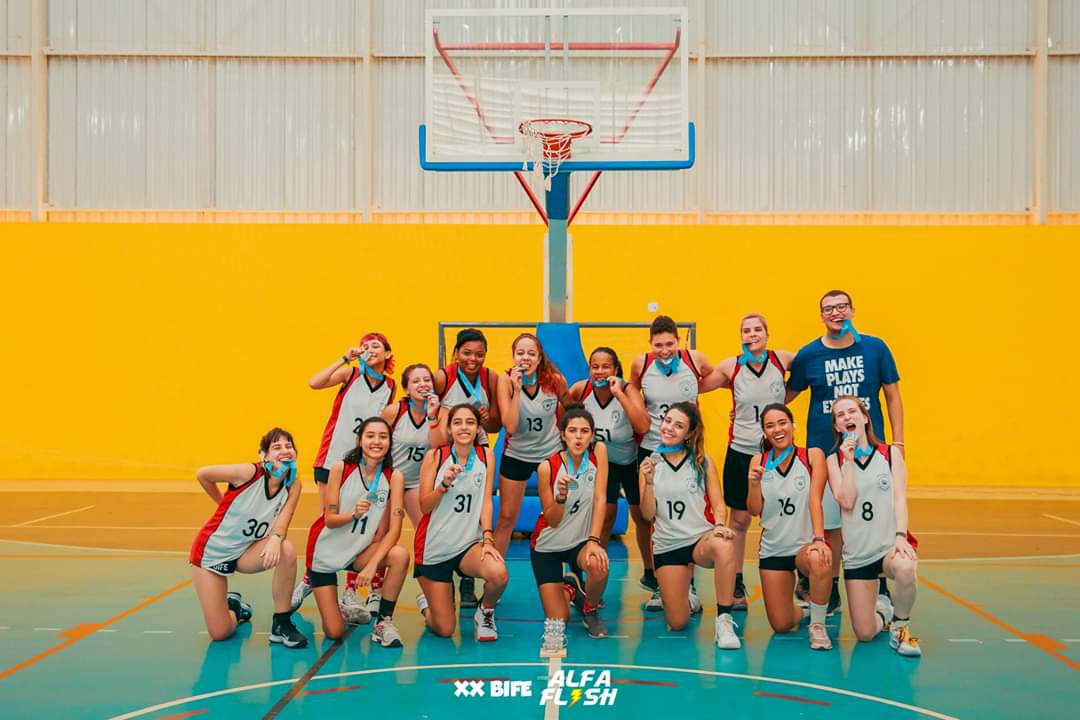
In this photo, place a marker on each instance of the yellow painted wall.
(143, 351)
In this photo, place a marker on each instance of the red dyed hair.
(389, 367)
(547, 375)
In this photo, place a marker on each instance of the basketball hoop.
(548, 142)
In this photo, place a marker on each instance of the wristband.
(901, 534)
(719, 524)
(593, 538)
(897, 443)
(278, 535)
(561, 501)
(345, 360)
(818, 538)
(488, 532)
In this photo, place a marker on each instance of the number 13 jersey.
(454, 525)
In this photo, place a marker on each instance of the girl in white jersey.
(419, 424)
(247, 534)
(466, 380)
(455, 532)
(870, 484)
(364, 488)
(620, 417)
(363, 392)
(572, 485)
(529, 398)
(666, 375)
(786, 485)
(756, 379)
(680, 490)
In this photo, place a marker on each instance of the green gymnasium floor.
(100, 621)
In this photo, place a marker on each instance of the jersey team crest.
(548, 404)
(687, 388)
(884, 481)
(800, 483)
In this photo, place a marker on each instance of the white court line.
(459, 666)
(672, 637)
(614, 637)
(1061, 519)
(97, 549)
(5, 627)
(157, 632)
(50, 517)
(551, 709)
(97, 527)
(1015, 640)
(106, 630)
(965, 640)
(48, 629)
(1068, 640)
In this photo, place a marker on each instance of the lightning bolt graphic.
(575, 695)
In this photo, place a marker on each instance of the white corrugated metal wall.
(306, 110)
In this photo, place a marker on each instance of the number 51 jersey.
(454, 525)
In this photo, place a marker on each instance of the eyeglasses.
(838, 307)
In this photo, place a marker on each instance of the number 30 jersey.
(333, 549)
(870, 526)
(243, 517)
(785, 514)
(682, 514)
(454, 525)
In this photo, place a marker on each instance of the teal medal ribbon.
(472, 389)
(288, 469)
(671, 366)
(527, 380)
(847, 328)
(468, 466)
(373, 492)
(367, 369)
(749, 357)
(662, 450)
(859, 452)
(775, 462)
(575, 473)
(420, 408)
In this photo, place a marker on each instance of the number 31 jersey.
(243, 518)
(454, 525)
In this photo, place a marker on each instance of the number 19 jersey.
(454, 525)
(682, 514)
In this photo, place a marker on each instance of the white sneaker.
(301, 591)
(726, 639)
(819, 637)
(553, 642)
(654, 603)
(371, 603)
(484, 625)
(695, 601)
(884, 607)
(903, 642)
(386, 634)
(351, 610)
(421, 603)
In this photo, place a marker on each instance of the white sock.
(817, 612)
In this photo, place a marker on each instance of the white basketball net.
(547, 143)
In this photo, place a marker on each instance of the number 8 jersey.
(682, 507)
(333, 549)
(454, 525)
(870, 526)
(243, 517)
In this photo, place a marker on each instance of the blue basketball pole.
(558, 212)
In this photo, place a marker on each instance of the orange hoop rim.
(556, 142)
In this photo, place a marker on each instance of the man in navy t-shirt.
(838, 364)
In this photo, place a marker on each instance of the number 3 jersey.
(576, 521)
(785, 514)
(454, 525)
(243, 517)
(682, 514)
(333, 549)
(870, 526)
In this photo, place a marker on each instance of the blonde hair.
(759, 316)
(838, 437)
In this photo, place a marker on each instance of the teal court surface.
(114, 630)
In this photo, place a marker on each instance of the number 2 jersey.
(333, 549)
(870, 526)
(662, 390)
(243, 517)
(785, 512)
(576, 521)
(356, 401)
(454, 525)
(682, 505)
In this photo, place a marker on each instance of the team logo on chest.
(800, 482)
(884, 481)
(776, 387)
(478, 476)
(686, 388)
(548, 404)
(590, 477)
(383, 496)
(616, 416)
(691, 484)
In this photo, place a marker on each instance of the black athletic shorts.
(224, 569)
(866, 572)
(514, 469)
(777, 562)
(548, 566)
(736, 478)
(678, 556)
(322, 579)
(624, 477)
(443, 571)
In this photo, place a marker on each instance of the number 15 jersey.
(454, 525)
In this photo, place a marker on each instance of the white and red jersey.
(333, 549)
(454, 393)
(576, 521)
(356, 401)
(537, 435)
(454, 525)
(751, 391)
(662, 390)
(613, 426)
(785, 509)
(243, 517)
(682, 505)
(869, 528)
(410, 442)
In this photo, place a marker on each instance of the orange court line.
(1047, 644)
(77, 633)
(183, 715)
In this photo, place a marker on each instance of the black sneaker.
(739, 603)
(241, 609)
(802, 588)
(834, 602)
(577, 594)
(649, 583)
(467, 588)
(285, 633)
